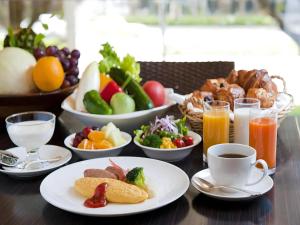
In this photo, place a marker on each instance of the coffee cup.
(231, 164)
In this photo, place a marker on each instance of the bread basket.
(196, 118)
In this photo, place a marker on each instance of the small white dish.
(166, 181)
(46, 152)
(170, 155)
(261, 188)
(126, 122)
(91, 154)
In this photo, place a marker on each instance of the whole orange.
(48, 73)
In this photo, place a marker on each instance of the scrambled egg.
(167, 143)
(117, 191)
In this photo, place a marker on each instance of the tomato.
(188, 140)
(179, 143)
(155, 91)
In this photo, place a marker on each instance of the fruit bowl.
(41, 101)
(91, 154)
(126, 122)
(170, 155)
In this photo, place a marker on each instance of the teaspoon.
(208, 187)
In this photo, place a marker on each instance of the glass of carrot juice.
(215, 124)
(263, 135)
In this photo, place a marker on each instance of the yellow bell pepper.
(104, 80)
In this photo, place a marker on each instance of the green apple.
(122, 103)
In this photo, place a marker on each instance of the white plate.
(46, 152)
(91, 154)
(262, 187)
(125, 122)
(167, 182)
(173, 154)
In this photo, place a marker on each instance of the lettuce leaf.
(181, 125)
(131, 67)
(110, 58)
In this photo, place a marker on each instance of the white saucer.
(261, 188)
(46, 152)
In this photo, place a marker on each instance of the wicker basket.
(196, 118)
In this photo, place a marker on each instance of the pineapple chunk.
(113, 134)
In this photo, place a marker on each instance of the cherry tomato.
(188, 140)
(179, 143)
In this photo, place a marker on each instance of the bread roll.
(267, 99)
(232, 92)
(212, 85)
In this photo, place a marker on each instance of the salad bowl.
(171, 154)
(166, 138)
(126, 122)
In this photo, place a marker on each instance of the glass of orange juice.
(215, 124)
(263, 135)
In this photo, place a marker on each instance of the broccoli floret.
(152, 140)
(136, 176)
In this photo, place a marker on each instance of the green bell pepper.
(95, 104)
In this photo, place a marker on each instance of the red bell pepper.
(110, 89)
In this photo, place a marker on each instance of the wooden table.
(21, 202)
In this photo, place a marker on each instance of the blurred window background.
(253, 33)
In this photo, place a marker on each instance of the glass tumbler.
(242, 107)
(263, 135)
(215, 124)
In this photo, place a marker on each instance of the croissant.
(267, 99)
(212, 85)
(232, 77)
(197, 96)
(256, 79)
(232, 92)
(204, 95)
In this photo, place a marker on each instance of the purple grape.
(75, 54)
(61, 55)
(66, 84)
(73, 62)
(77, 141)
(51, 50)
(95, 128)
(79, 134)
(72, 79)
(66, 51)
(39, 53)
(66, 64)
(73, 71)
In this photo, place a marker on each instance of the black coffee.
(232, 156)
